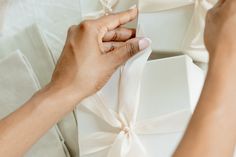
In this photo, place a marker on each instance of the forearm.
(212, 130)
(20, 130)
(80, 72)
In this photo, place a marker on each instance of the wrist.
(223, 54)
(64, 98)
(223, 60)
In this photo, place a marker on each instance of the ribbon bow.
(193, 43)
(107, 8)
(124, 142)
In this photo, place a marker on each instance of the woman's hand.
(220, 31)
(92, 53)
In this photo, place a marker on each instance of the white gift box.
(18, 83)
(175, 26)
(52, 16)
(30, 42)
(140, 113)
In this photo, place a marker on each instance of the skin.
(212, 130)
(81, 72)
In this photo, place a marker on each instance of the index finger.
(113, 21)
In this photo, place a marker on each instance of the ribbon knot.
(125, 129)
(108, 5)
(107, 8)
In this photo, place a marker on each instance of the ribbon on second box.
(125, 142)
(107, 8)
(193, 43)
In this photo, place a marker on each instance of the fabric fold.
(31, 43)
(53, 17)
(18, 83)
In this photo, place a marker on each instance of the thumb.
(121, 55)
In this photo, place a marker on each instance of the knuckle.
(72, 29)
(86, 25)
(71, 34)
(112, 48)
(209, 14)
(115, 36)
(130, 48)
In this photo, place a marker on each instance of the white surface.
(169, 89)
(166, 29)
(166, 87)
(53, 17)
(17, 84)
(31, 43)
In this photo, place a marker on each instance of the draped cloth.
(53, 17)
(126, 142)
(193, 43)
(31, 43)
(18, 83)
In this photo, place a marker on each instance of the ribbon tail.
(127, 145)
(96, 105)
(170, 123)
(121, 146)
(96, 142)
(130, 82)
(137, 148)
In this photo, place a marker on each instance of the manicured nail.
(144, 43)
(133, 7)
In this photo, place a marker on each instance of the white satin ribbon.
(125, 142)
(193, 43)
(107, 8)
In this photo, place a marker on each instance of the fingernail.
(133, 7)
(144, 43)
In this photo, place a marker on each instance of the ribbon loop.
(108, 5)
